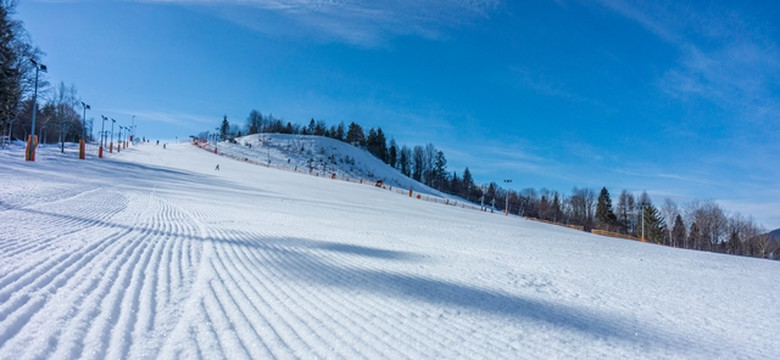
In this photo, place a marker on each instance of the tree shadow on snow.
(467, 297)
(307, 260)
(295, 255)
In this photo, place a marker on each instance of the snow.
(152, 253)
(319, 156)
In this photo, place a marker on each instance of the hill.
(321, 155)
(152, 253)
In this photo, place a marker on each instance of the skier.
(217, 168)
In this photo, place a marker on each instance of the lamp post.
(119, 139)
(482, 198)
(83, 142)
(132, 133)
(506, 207)
(84, 121)
(102, 127)
(111, 143)
(643, 222)
(31, 143)
(42, 134)
(102, 135)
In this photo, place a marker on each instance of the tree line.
(699, 225)
(426, 164)
(58, 120)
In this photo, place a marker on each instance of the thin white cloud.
(178, 119)
(364, 23)
(741, 77)
(725, 58)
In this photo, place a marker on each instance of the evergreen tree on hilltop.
(309, 130)
(439, 173)
(371, 141)
(404, 161)
(224, 129)
(320, 128)
(605, 218)
(392, 154)
(355, 135)
(338, 133)
(418, 163)
(376, 144)
(467, 185)
(381, 145)
(455, 183)
(254, 123)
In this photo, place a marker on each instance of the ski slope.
(319, 155)
(152, 253)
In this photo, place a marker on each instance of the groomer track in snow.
(151, 253)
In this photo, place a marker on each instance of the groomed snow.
(152, 253)
(318, 155)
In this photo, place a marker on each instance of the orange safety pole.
(29, 151)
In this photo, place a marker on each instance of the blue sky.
(679, 98)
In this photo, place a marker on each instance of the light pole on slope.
(29, 154)
(506, 207)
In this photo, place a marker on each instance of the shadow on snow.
(307, 260)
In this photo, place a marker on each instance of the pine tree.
(309, 130)
(605, 218)
(418, 163)
(404, 161)
(695, 240)
(254, 122)
(439, 172)
(455, 183)
(8, 74)
(653, 224)
(339, 133)
(678, 232)
(557, 212)
(392, 154)
(320, 128)
(376, 144)
(355, 135)
(224, 129)
(468, 185)
(381, 145)
(15, 54)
